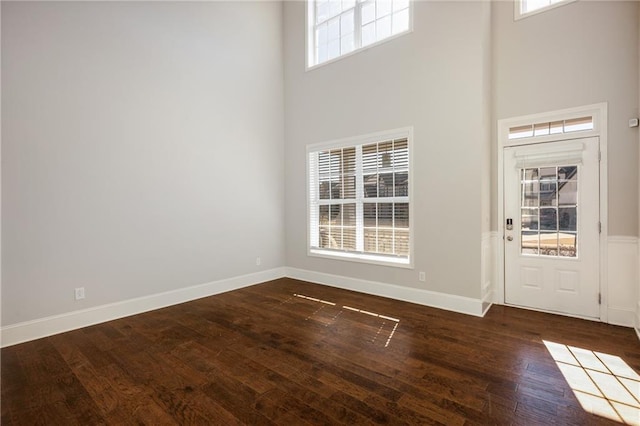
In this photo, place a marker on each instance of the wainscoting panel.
(622, 280)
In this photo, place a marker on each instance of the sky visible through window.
(340, 27)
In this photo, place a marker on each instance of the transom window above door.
(336, 28)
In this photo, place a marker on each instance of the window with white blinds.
(359, 198)
(339, 27)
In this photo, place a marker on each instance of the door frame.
(599, 114)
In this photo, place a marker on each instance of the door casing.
(599, 114)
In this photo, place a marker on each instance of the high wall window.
(338, 27)
(359, 198)
(525, 8)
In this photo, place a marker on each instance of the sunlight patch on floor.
(384, 318)
(603, 384)
(313, 299)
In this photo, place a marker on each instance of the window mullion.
(314, 45)
(314, 226)
(357, 28)
(359, 201)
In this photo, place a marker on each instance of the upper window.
(580, 124)
(525, 8)
(359, 198)
(338, 27)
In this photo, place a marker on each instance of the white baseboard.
(623, 317)
(43, 327)
(450, 302)
(487, 302)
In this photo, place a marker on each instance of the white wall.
(435, 79)
(122, 123)
(582, 53)
(124, 140)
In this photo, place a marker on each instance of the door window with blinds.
(359, 198)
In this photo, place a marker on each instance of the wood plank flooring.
(289, 352)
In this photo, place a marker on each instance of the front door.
(551, 243)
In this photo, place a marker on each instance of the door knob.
(509, 238)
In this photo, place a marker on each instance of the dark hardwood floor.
(269, 354)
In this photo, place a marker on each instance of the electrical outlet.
(422, 276)
(79, 292)
(258, 261)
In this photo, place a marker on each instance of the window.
(525, 8)
(580, 124)
(339, 27)
(359, 198)
(549, 211)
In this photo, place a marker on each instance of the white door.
(551, 204)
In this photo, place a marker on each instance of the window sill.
(395, 262)
(518, 15)
(358, 50)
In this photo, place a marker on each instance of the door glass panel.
(548, 219)
(529, 219)
(530, 188)
(530, 242)
(548, 186)
(567, 193)
(568, 244)
(548, 193)
(549, 211)
(549, 243)
(567, 219)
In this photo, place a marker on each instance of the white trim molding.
(622, 275)
(599, 114)
(48, 326)
(449, 302)
(403, 163)
(489, 269)
(623, 272)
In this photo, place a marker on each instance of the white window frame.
(374, 258)
(519, 4)
(310, 35)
